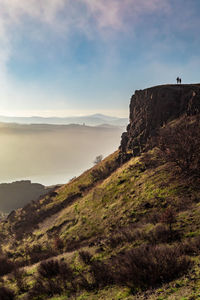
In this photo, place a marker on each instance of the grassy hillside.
(119, 231)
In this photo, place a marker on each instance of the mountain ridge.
(91, 120)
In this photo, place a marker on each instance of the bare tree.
(98, 159)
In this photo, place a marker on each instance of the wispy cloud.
(114, 13)
(64, 16)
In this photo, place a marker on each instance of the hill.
(129, 227)
(17, 194)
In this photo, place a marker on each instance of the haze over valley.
(52, 154)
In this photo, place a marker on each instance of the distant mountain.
(91, 120)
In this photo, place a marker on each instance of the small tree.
(98, 159)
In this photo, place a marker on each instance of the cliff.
(153, 107)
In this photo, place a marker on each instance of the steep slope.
(114, 211)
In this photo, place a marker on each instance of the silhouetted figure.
(177, 79)
(180, 80)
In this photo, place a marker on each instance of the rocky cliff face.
(153, 107)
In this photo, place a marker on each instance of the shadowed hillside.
(128, 228)
(17, 194)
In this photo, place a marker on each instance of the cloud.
(113, 13)
(65, 16)
(103, 20)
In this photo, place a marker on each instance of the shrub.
(103, 172)
(41, 288)
(180, 144)
(148, 266)
(20, 280)
(149, 160)
(123, 235)
(85, 256)
(153, 218)
(101, 274)
(159, 234)
(58, 244)
(49, 269)
(169, 217)
(6, 266)
(98, 174)
(54, 277)
(55, 268)
(191, 246)
(37, 253)
(6, 294)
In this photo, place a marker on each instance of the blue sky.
(67, 57)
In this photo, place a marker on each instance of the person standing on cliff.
(177, 79)
(180, 80)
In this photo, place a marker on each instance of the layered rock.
(153, 107)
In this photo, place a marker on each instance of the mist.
(52, 154)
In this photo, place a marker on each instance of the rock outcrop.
(153, 107)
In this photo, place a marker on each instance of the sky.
(79, 57)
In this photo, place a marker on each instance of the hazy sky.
(63, 57)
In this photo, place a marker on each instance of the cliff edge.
(153, 107)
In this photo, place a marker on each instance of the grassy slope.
(130, 195)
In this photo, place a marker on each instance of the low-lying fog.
(51, 154)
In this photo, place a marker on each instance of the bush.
(180, 144)
(103, 172)
(58, 244)
(49, 269)
(153, 217)
(19, 276)
(191, 246)
(54, 277)
(148, 266)
(6, 294)
(123, 235)
(159, 234)
(169, 217)
(41, 288)
(85, 256)
(149, 160)
(6, 266)
(101, 273)
(37, 253)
